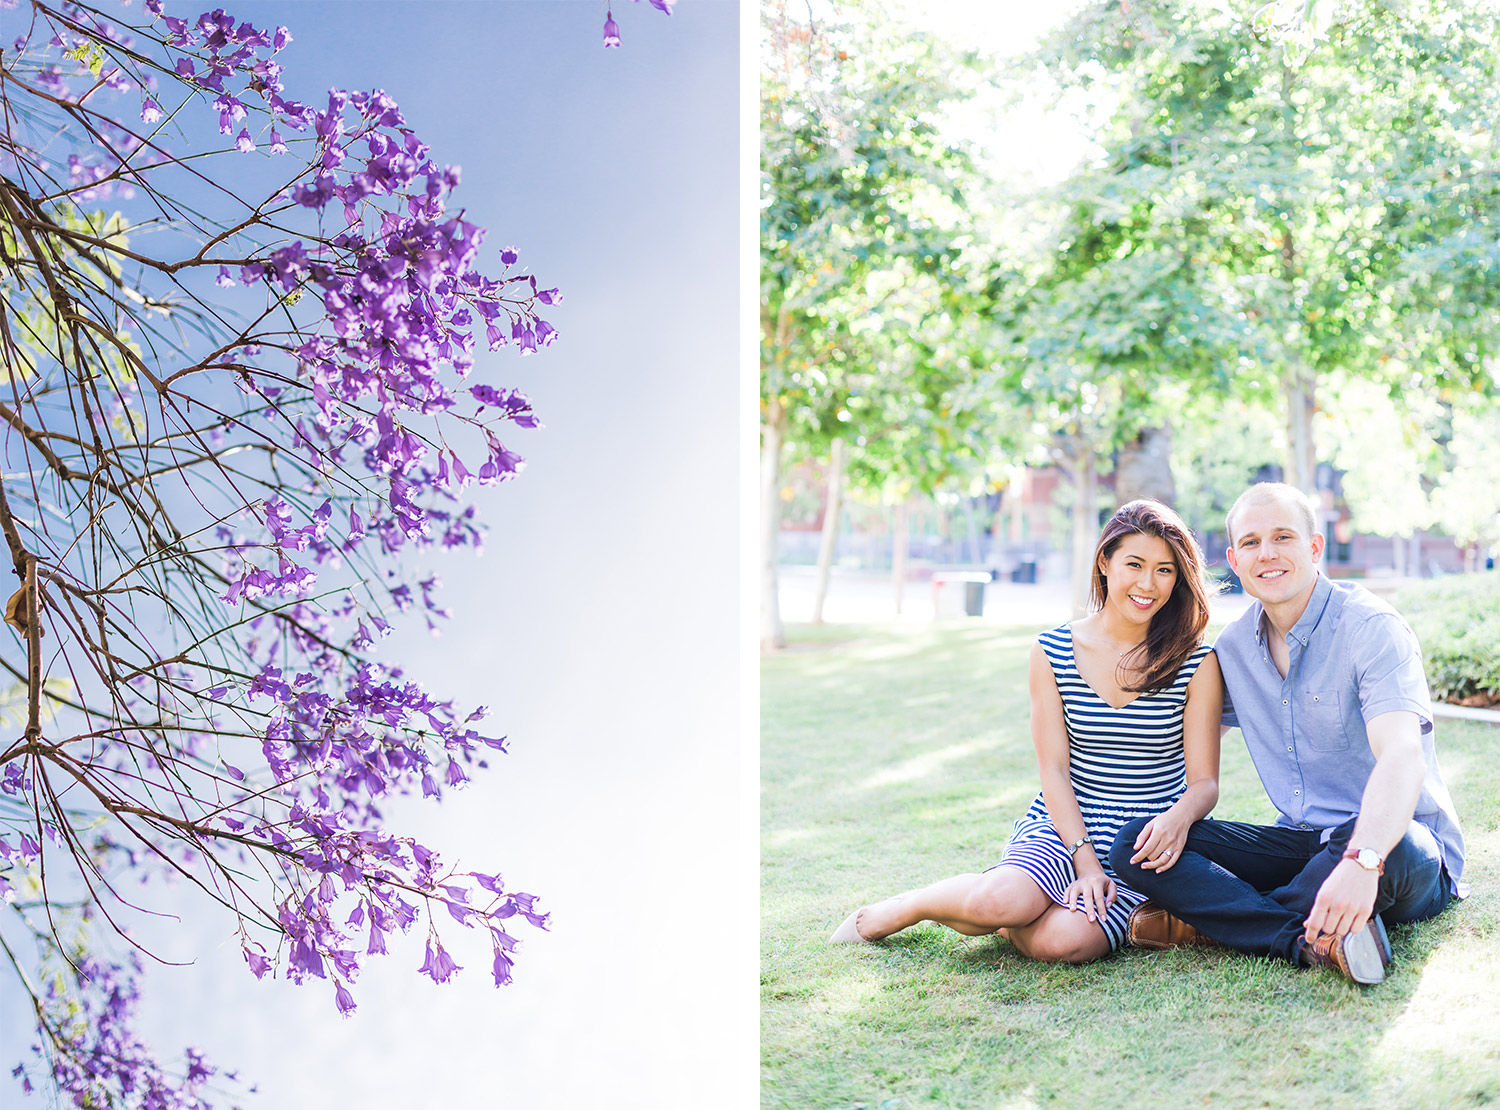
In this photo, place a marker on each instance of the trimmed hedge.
(1457, 619)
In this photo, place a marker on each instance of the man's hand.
(1345, 901)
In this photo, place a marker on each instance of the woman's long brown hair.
(1177, 629)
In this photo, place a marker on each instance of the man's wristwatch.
(1368, 858)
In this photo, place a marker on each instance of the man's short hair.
(1274, 491)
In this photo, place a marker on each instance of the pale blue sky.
(600, 624)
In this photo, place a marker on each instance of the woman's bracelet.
(1079, 843)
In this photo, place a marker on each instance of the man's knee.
(1124, 847)
(1415, 885)
(1416, 851)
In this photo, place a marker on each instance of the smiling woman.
(1138, 739)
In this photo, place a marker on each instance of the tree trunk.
(1085, 523)
(772, 633)
(1145, 467)
(831, 511)
(898, 549)
(976, 552)
(1299, 386)
(1299, 381)
(998, 528)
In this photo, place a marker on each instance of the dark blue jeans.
(1251, 887)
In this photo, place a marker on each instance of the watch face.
(1368, 858)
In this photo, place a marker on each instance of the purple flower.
(487, 395)
(438, 966)
(243, 141)
(150, 111)
(258, 963)
(316, 195)
(611, 29)
(231, 111)
(663, 5)
(224, 281)
(278, 144)
(304, 960)
(509, 255)
(501, 968)
(278, 517)
(342, 998)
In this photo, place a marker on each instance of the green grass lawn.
(895, 756)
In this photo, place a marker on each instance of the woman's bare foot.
(848, 932)
(868, 923)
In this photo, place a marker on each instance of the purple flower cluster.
(269, 735)
(88, 1009)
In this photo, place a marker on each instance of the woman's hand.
(1160, 844)
(1090, 894)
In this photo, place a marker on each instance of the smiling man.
(1325, 682)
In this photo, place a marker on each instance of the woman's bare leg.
(975, 905)
(1060, 935)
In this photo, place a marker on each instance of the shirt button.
(1304, 825)
(1283, 701)
(1289, 749)
(1296, 792)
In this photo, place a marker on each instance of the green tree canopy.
(1331, 209)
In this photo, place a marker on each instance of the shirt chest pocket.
(1320, 721)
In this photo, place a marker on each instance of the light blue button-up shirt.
(1352, 658)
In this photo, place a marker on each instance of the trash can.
(974, 599)
(1025, 571)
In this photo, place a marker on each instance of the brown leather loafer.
(1360, 956)
(1150, 926)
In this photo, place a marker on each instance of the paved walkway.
(862, 597)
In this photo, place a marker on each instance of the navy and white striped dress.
(1124, 763)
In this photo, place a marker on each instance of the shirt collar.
(1317, 604)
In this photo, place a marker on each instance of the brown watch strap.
(1353, 853)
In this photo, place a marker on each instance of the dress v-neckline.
(1089, 686)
